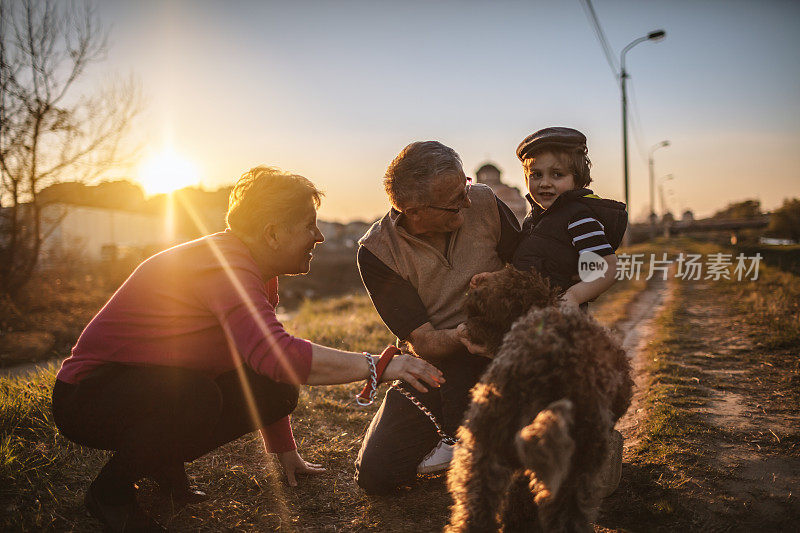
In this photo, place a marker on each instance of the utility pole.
(656, 35)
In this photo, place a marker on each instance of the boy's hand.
(569, 300)
(474, 349)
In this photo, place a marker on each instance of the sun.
(167, 171)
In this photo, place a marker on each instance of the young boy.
(567, 219)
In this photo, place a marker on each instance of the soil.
(636, 330)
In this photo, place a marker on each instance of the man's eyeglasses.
(460, 202)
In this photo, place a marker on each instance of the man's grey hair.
(409, 178)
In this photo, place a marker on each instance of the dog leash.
(367, 395)
(447, 439)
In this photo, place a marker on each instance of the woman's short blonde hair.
(266, 195)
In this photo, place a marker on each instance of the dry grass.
(43, 476)
(56, 305)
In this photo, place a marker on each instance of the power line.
(601, 37)
(636, 122)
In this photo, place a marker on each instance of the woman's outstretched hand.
(293, 464)
(413, 371)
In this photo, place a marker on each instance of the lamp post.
(663, 204)
(662, 179)
(662, 144)
(656, 35)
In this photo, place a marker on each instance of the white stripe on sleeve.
(595, 248)
(587, 235)
(584, 221)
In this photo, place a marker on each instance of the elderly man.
(188, 354)
(416, 263)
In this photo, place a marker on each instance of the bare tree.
(46, 131)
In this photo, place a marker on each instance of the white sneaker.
(439, 459)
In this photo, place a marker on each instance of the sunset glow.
(167, 171)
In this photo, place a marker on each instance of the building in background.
(489, 175)
(340, 236)
(95, 233)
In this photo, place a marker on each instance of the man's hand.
(474, 349)
(432, 344)
(293, 464)
(479, 279)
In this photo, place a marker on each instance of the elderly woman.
(188, 354)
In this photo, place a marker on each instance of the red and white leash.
(367, 394)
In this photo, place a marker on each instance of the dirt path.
(754, 458)
(636, 331)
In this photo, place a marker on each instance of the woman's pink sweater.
(201, 305)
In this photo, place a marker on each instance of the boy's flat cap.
(550, 137)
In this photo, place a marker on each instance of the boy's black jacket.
(547, 246)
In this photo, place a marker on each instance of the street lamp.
(666, 224)
(656, 35)
(662, 144)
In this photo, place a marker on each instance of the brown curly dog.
(537, 436)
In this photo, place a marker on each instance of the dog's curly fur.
(538, 431)
(493, 307)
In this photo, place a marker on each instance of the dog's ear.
(623, 394)
(488, 313)
(545, 446)
(495, 303)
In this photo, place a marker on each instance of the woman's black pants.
(154, 417)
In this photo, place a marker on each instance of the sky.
(334, 90)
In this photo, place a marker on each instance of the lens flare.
(167, 171)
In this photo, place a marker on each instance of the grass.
(655, 468)
(772, 307)
(347, 323)
(57, 305)
(672, 387)
(37, 466)
(786, 258)
(43, 476)
(47, 317)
